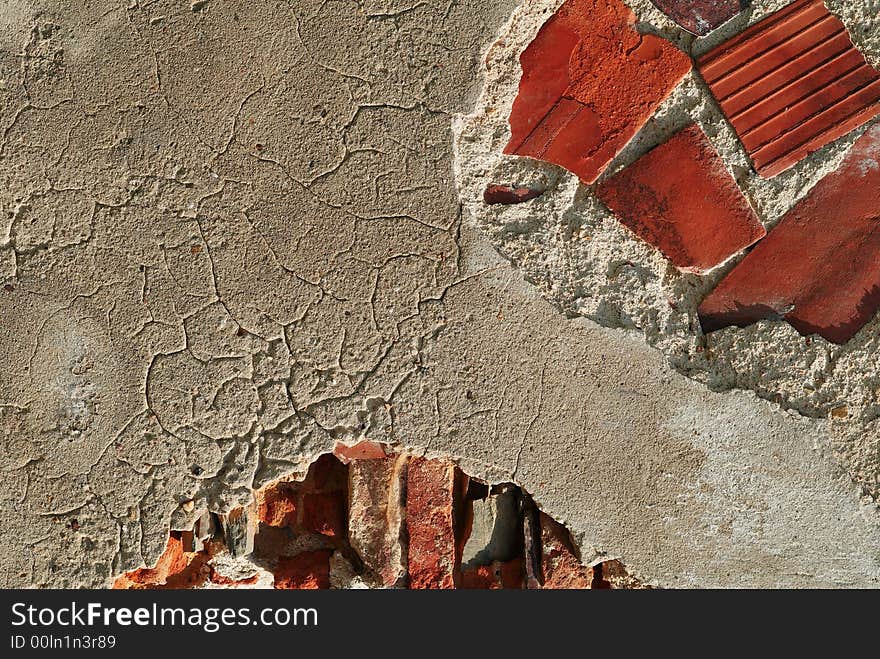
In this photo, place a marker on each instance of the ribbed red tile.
(819, 269)
(590, 82)
(792, 84)
(681, 198)
(700, 16)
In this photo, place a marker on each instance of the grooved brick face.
(590, 81)
(680, 198)
(700, 16)
(820, 267)
(792, 84)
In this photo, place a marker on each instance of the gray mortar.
(581, 258)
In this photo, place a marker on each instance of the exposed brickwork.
(391, 499)
(792, 84)
(590, 81)
(277, 504)
(495, 576)
(681, 198)
(819, 269)
(218, 579)
(360, 451)
(324, 512)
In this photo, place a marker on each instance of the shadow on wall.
(365, 518)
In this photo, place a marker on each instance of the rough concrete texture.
(581, 258)
(232, 237)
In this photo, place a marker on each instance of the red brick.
(309, 570)
(561, 566)
(680, 198)
(324, 513)
(700, 16)
(498, 575)
(175, 569)
(590, 82)
(360, 451)
(317, 504)
(276, 504)
(375, 516)
(431, 499)
(505, 194)
(792, 84)
(819, 269)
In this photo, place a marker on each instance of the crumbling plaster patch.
(232, 237)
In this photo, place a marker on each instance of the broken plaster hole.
(629, 171)
(364, 517)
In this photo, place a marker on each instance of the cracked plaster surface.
(231, 237)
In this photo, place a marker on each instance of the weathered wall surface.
(231, 237)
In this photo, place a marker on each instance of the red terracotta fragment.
(590, 82)
(680, 198)
(433, 558)
(700, 17)
(505, 194)
(792, 84)
(819, 269)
